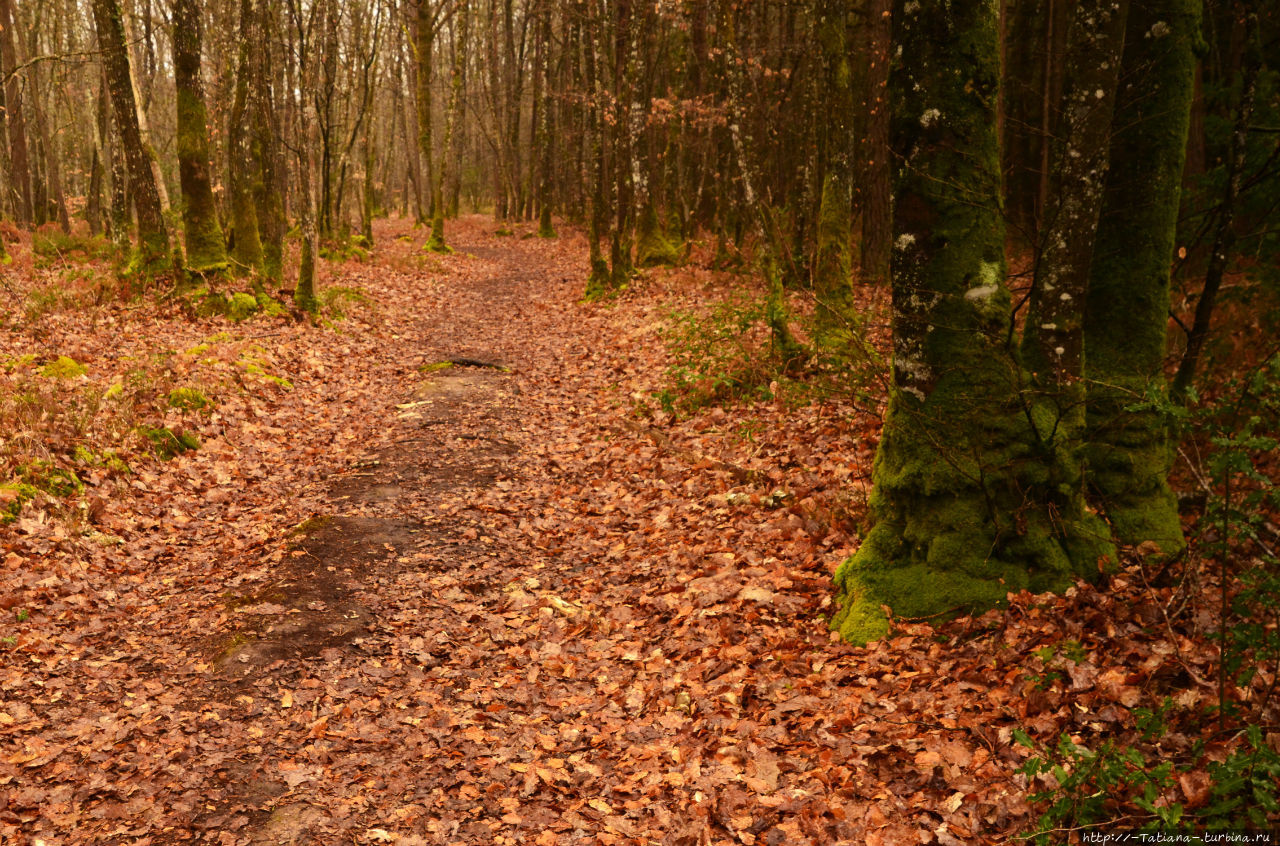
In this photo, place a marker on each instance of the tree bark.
(1126, 311)
(1053, 341)
(206, 251)
(246, 241)
(965, 503)
(19, 160)
(876, 207)
(153, 238)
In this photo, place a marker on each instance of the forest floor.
(392, 599)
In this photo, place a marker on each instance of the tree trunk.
(1130, 449)
(876, 211)
(599, 280)
(206, 251)
(436, 243)
(964, 500)
(153, 238)
(246, 242)
(545, 144)
(832, 268)
(19, 161)
(1053, 341)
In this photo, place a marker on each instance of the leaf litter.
(389, 601)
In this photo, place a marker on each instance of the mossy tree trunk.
(1053, 339)
(153, 238)
(967, 504)
(246, 243)
(206, 251)
(1126, 314)
(832, 266)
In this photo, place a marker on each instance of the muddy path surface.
(375, 628)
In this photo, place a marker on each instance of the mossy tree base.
(600, 283)
(1129, 456)
(653, 247)
(965, 519)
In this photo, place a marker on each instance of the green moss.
(832, 272)
(653, 247)
(208, 303)
(208, 344)
(168, 444)
(435, 368)
(269, 305)
(63, 367)
(351, 250)
(311, 526)
(1130, 449)
(21, 362)
(14, 495)
(256, 370)
(504, 232)
(48, 477)
(188, 399)
(545, 228)
(242, 306)
(56, 244)
(108, 459)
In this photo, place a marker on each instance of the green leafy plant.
(1084, 787)
(718, 356)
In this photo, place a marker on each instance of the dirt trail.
(402, 552)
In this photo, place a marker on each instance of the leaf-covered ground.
(393, 599)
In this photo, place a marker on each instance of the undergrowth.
(725, 354)
(1227, 776)
(71, 425)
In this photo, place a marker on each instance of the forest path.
(406, 603)
(393, 592)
